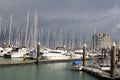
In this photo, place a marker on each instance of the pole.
(102, 52)
(24, 57)
(113, 61)
(38, 54)
(105, 53)
(84, 54)
(118, 55)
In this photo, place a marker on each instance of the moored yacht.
(78, 54)
(5, 49)
(16, 53)
(77, 65)
(33, 53)
(55, 55)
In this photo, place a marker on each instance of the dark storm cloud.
(65, 13)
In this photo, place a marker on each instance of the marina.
(106, 70)
(60, 40)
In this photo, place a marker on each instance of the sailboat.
(55, 55)
(16, 52)
(33, 37)
(26, 34)
(7, 48)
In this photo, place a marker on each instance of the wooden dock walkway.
(99, 73)
(5, 63)
(29, 61)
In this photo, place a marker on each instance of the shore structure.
(101, 40)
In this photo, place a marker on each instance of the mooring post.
(84, 54)
(102, 52)
(118, 54)
(24, 57)
(105, 53)
(38, 52)
(113, 60)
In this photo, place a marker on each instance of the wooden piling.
(24, 57)
(113, 61)
(105, 53)
(38, 52)
(84, 54)
(102, 52)
(118, 55)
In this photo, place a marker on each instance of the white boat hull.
(16, 54)
(78, 56)
(77, 68)
(55, 55)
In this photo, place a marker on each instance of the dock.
(99, 73)
(6, 63)
(103, 75)
(29, 61)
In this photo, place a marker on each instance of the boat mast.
(60, 39)
(26, 32)
(10, 26)
(48, 39)
(17, 36)
(0, 25)
(73, 40)
(64, 40)
(35, 29)
(4, 40)
(41, 34)
(69, 42)
(54, 39)
(30, 37)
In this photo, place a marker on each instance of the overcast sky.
(69, 14)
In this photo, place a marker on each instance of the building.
(101, 40)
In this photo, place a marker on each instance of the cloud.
(67, 13)
(118, 25)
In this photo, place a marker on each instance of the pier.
(99, 73)
(104, 75)
(28, 61)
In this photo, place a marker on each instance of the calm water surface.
(47, 71)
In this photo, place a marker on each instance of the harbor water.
(44, 71)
